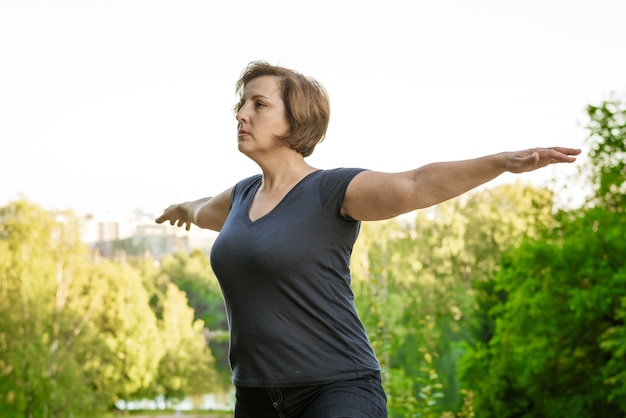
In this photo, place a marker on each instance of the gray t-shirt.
(286, 283)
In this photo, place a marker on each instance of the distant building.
(111, 235)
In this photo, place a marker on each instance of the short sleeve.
(333, 186)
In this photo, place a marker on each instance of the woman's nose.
(242, 114)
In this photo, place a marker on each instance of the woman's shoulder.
(334, 182)
(253, 179)
(246, 184)
(340, 173)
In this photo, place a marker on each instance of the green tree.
(614, 343)
(41, 261)
(126, 342)
(192, 273)
(607, 168)
(607, 153)
(552, 336)
(187, 365)
(78, 335)
(560, 295)
(416, 282)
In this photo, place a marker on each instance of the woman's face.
(261, 116)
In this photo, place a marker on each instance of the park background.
(506, 302)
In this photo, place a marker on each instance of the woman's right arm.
(207, 213)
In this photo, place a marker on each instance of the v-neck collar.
(279, 204)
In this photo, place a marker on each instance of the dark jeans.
(358, 398)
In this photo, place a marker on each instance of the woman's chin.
(242, 147)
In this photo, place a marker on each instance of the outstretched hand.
(532, 159)
(176, 215)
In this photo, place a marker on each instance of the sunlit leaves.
(186, 366)
(559, 318)
(416, 282)
(78, 334)
(607, 153)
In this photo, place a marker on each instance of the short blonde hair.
(306, 102)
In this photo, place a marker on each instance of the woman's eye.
(259, 104)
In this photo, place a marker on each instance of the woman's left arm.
(375, 195)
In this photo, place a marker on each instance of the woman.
(298, 347)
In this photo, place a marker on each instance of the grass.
(170, 414)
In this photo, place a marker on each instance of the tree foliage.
(40, 368)
(415, 287)
(185, 367)
(554, 343)
(192, 274)
(607, 153)
(128, 337)
(78, 335)
(560, 296)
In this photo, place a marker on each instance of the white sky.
(118, 105)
